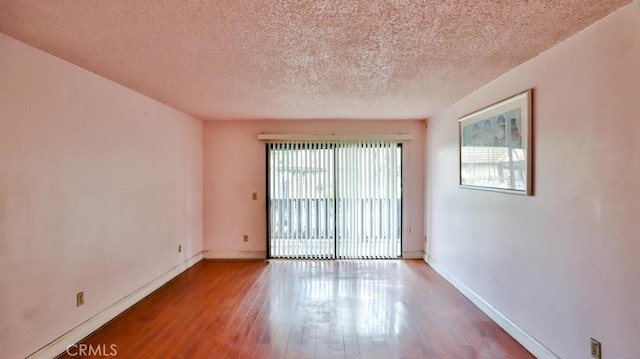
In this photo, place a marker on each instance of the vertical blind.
(335, 200)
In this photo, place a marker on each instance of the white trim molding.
(531, 344)
(238, 255)
(412, 255)
(275, 137)
(94, 323)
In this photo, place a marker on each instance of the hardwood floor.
(306, 309)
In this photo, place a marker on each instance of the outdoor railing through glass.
(304, 227)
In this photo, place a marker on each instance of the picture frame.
(495, 146)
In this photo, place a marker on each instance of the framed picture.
(495, 147)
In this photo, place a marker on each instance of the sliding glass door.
(301, 200)
(335, 200)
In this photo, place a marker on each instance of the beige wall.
(98, 186)
(235, 166)
(562, 265)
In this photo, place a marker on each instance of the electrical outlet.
(409, 230)
(254, 196)
(79, 299)
(245, 238)
(596, 349)
(179, 248)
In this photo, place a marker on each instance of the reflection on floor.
(307, 309)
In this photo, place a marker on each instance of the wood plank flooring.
(306, 309)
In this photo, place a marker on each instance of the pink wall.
(563, 264)
(98, 186)
(235, 167)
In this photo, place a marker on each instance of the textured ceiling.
(230, 59)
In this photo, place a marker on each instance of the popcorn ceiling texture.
(365, 59)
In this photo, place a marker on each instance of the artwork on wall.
(495, 146)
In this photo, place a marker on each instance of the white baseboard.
(412, 255)
(235, 255)
(531, 344)
(263, 255)
(78, 333)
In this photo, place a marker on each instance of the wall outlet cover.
(596, 349)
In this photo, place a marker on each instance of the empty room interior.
(320, 179)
